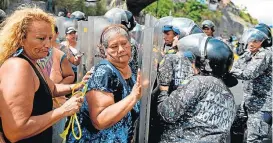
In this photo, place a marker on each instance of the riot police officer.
(175, 29)
(266, 43)
(202, 108)
(266, 29)
(254, 67)
(208, 27)
(173, 69)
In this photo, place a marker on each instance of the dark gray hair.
(111, 31)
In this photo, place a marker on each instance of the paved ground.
(238, 92)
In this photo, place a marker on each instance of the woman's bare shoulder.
(14, 65)
(17, 69)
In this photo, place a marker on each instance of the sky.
(260, 9)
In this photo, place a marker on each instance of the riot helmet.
(208, 24)
(249, 35)
(63, 12)
(136, 32)
(120, 16)
(78, 15)
(212, 56)
(181, 26)
(266, 29)
(208, 27)
(2, 15)
(131, 20)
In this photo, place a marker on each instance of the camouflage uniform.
(270, 48)
(173, 69)
(201, 110)
(256, 71)
(169, 50)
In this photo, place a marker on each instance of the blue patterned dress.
(106, 78)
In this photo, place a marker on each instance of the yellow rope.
(236, 57)
(74, 117)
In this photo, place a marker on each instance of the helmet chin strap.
(129, 25)
(203, 51)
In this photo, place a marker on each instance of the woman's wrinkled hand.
(77, 60)
(175, 41)
(136, 91)
(87, 76)
(73, 105)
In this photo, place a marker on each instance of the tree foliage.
(247, 17)
(191, 9)
(244, 14)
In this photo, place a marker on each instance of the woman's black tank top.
(42, 104)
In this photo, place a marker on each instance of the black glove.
(240, 50)
(162, 96)
(230, 80)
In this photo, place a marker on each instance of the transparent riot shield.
(146, 72)
(250, 35)
(151, 46)
(89, 33)
(151, 43)
(71, 22)
(97, 24)
(150, 21)
(158, 39)
(186, 26)
(115, 15)
(83, 46)
(136, 33)
(62, 23)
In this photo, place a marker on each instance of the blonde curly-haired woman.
(25, 92)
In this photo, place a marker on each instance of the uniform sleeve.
(240, 62)
(251, 69)
(103, 79)
(173, 107)
(165, 71)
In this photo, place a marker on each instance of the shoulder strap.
(42, 80)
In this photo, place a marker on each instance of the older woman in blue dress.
(111, 105)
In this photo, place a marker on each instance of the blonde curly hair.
(15, 27)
